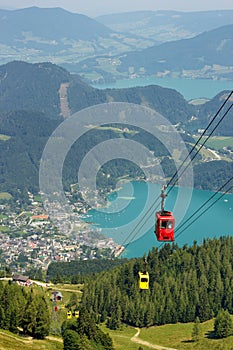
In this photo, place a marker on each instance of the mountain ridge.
(207, 55)
(31, 110)
(167, 25)
(53, 34)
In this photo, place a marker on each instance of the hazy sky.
(97, 7)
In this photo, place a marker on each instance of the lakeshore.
(190, 88)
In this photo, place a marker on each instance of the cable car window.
(166, 224)
(170, 224)
(144, 279)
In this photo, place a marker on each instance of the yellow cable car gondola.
(76, 314)
(143, 282)
(69, 315)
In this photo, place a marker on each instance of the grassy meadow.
(10, 341)
(5, 196)
(218, 142)
(173, 336)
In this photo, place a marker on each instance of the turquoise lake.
(189, 88)
(125, 221)
(129, 217)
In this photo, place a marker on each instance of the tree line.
(79, 271)
(24, 309)
(185, 283)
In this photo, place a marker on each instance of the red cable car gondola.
(165, 222)
(164, 228)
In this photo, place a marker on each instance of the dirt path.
(136, 339)
(215, 154)
(51, 337)
(70, 290)
(64, 105)
(27, 340)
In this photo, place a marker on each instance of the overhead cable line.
(140, 224)
(204, 204)
(199, 139)
(201, 207)
(201, 146)
(202, 213)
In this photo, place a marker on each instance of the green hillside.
(185, 283)
(189, 289)
(32, 106)
(9, 341)
(177, 336)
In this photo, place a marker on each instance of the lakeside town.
(30, 240)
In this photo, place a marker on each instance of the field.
(177, 336)
(4, 137)
(218, 142)
(10, 341)
(5, 195)
(4, 229)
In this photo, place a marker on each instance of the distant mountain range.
(53, 34)
(20, 27)
(167, 25)
(121, 45)
(31, 108)
(207, 55)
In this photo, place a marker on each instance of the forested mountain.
(27, 133)
(205, 113)
(30, 109)
(167, 25)
(185, 283)
(206, 49)
(31, 87)
(217, 172)
(25, 25)
(168, 102)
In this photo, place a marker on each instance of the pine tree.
(223, 325)
(71, 340)
(2, 317)
(29, 318)
(42, 319)
(196, 330)
(36, 319)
